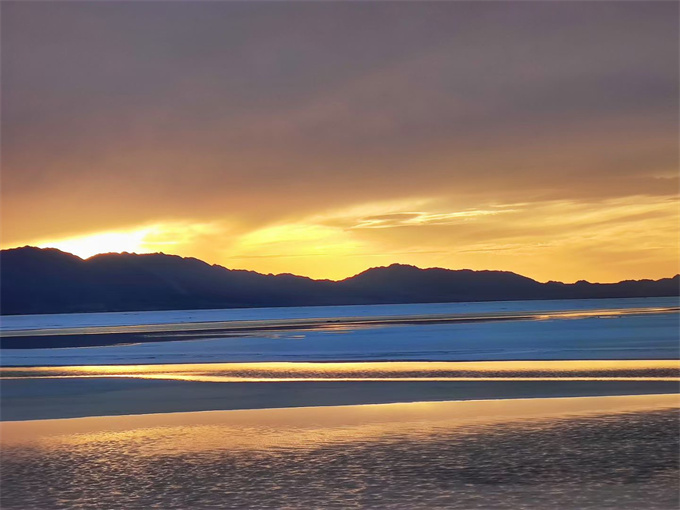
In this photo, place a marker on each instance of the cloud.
(389, 128)
(407, 219)
(565, 240)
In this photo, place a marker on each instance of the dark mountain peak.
(410, 271)
(398, 266)
(33, 251)
(146, 259)
(291, 276)
(31, 259)
(28, 249)
(125, 255)
(392, 269)
(35, 280)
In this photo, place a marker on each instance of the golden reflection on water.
(304, 427)
(583, 370)
(223, 379)
(572, 453)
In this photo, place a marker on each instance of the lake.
(534, 404)
(515, 330)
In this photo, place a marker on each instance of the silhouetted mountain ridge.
(35, 280)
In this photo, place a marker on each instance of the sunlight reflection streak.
(589, 370)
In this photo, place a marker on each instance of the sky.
(324, 138)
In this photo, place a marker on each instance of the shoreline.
(485, 410)
(39, 399)
(109, 335)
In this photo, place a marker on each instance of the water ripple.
(613, 460)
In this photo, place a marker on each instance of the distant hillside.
(34, 280)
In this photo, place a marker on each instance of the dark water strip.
(37, 399)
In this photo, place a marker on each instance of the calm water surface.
(617, 329)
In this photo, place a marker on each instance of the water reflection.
(331, 323)
(604, 452)
(595, 370)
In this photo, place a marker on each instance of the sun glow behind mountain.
(560, 240)
(160, 237)
(324, 138)
(104, 242)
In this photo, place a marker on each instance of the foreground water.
(585, 453)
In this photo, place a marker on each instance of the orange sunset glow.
(324, 139)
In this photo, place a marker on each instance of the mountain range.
(35, 280)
